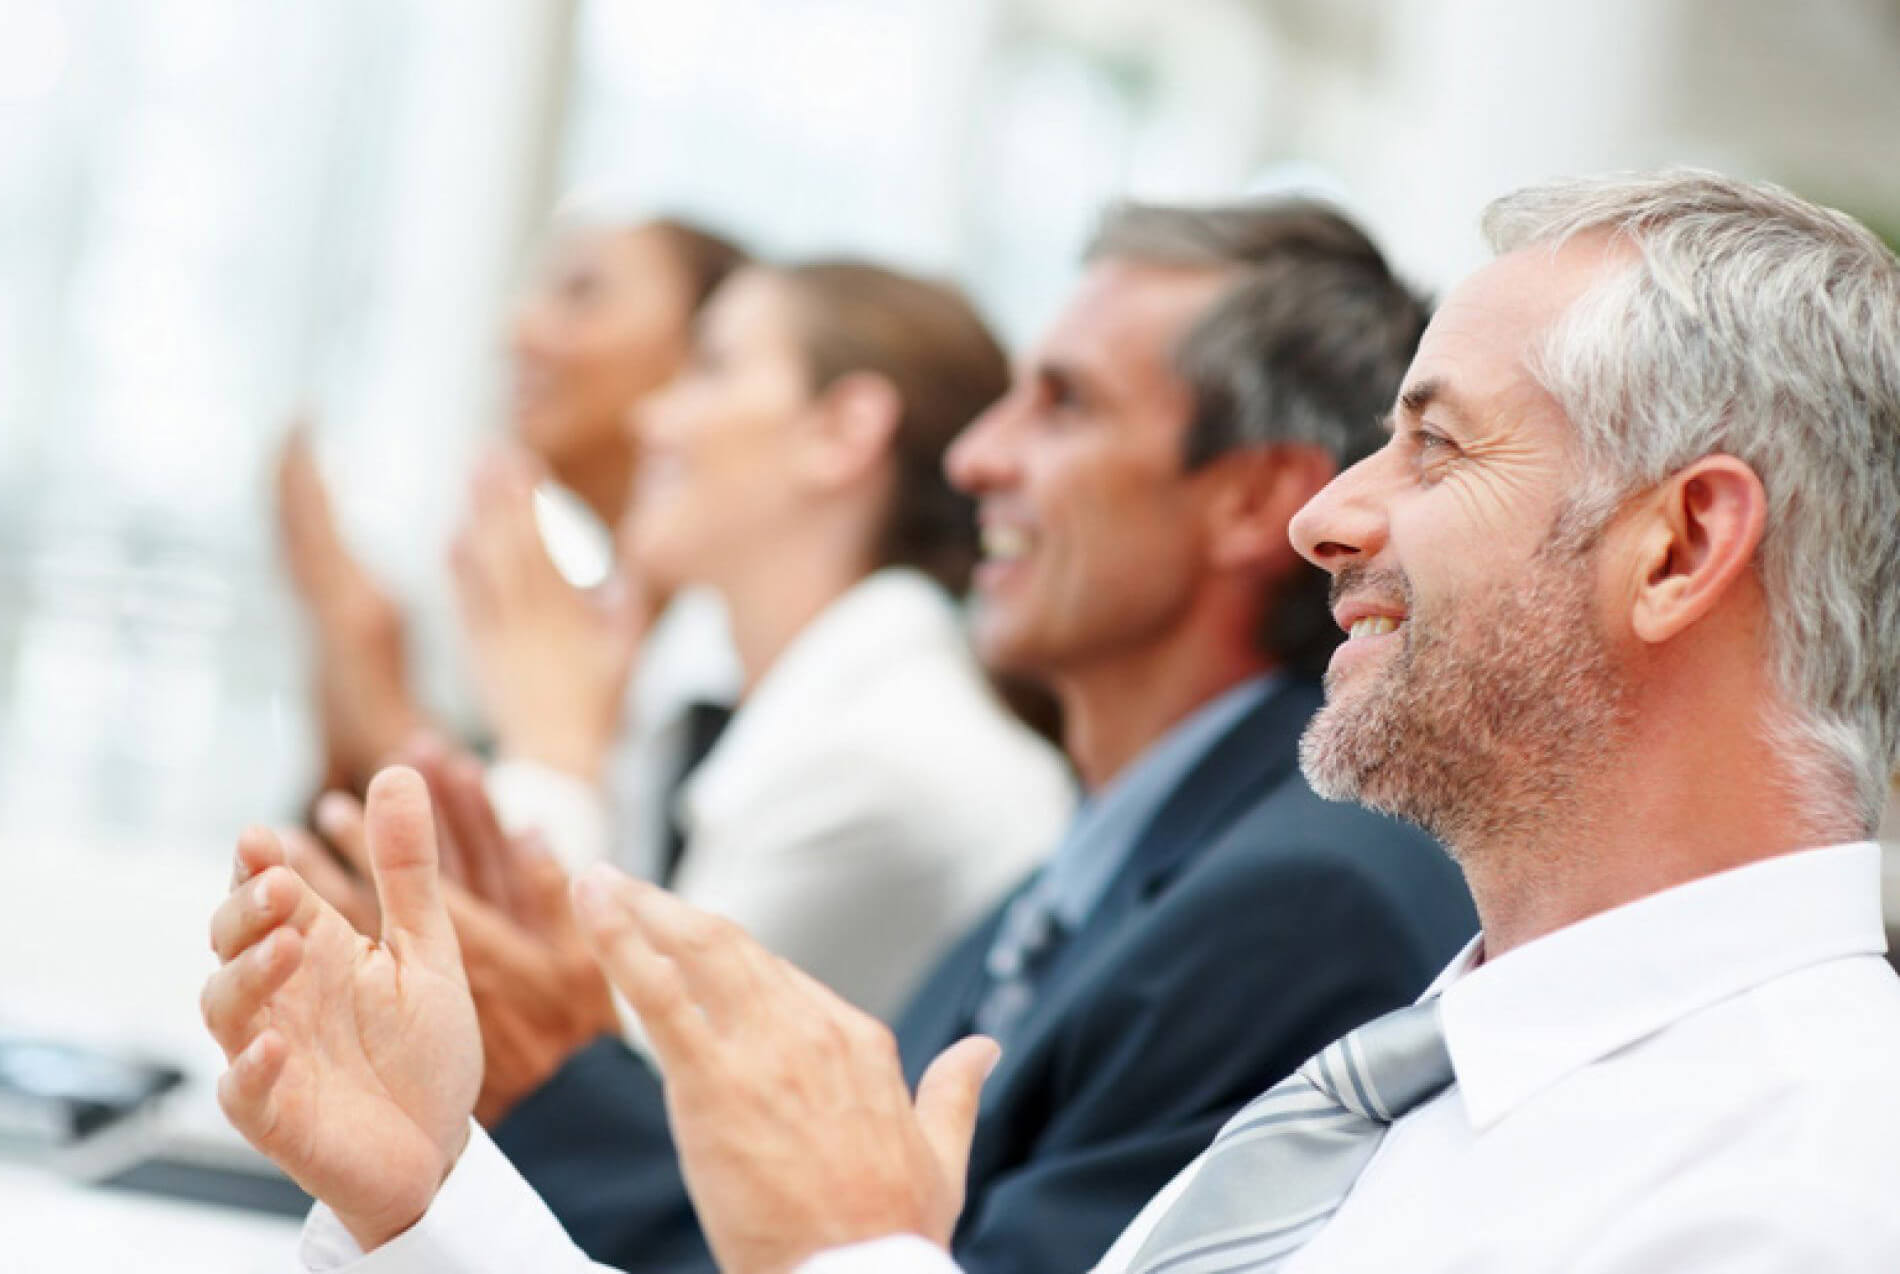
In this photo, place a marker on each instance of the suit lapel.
(1257, 754)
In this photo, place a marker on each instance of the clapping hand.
(795, 1129)
(538, 992)
(354, 1062)
(551, 661)
(539, 995)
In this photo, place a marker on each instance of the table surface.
(110, 946)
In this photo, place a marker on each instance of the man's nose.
(1345, 521)
(983, 457)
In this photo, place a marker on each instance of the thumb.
(947, 1102)
(400, 829)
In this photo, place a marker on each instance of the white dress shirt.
(1707, 1079)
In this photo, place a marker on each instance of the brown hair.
(706, 257)
(928, 341)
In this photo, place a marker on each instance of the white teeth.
(1372, 626)
(1004, 543)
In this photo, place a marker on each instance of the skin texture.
(354, 1063)
(606, 322)
(708, 995)
(1128, 583)
(550, 661)
(538, 993)
(1637, 654)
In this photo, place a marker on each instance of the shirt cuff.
(484, 1218)
(898, 1254)
(570, 813)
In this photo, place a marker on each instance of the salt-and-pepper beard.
(1488, 722)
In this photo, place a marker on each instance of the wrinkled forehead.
(1479, 353)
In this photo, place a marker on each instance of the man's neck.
(1115, 709)
(1668, 813)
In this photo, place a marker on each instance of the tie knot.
(1387, 1066)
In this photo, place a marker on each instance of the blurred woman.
(871, 795)
(607, 320)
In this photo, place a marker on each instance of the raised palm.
(355, 1063)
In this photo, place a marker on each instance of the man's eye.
(1432, 450)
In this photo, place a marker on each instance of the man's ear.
(1255, 493)
(849, 428)
(1704, 525)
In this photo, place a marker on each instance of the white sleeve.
(570, 813)
(484, 1220)
(898, 1254)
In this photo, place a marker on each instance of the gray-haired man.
(1624, 596)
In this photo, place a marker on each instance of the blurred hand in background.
(364, 701)
(551, 661)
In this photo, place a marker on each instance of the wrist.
(579, 754)
(399, 1211)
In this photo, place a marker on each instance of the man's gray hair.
(1755, 324)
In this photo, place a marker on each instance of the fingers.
(333, 882)
(948, 1097)
(459, 784)
(234, 996)
(499, 553)
(339, 816)
(245, 1090)
(541, 889)
(399, 828)
(724, 969)
(276, 897)
(427, 755)
(652, 983)
(257, 850)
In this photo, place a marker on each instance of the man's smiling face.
(1478, 680)
(1091, 518)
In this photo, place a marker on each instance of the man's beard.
(1491, 716)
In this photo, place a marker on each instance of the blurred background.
(217, 215)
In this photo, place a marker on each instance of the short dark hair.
(1307, 344)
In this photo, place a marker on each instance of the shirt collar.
(1110, 823)
(1522, 1022)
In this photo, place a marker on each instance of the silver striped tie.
(1282, 1166)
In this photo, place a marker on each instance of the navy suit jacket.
(1252, 925)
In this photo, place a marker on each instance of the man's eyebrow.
(1419, 395)
(1066, 374)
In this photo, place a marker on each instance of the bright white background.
(215, 214)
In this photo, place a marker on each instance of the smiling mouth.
(1005, 543)
(1372, 626)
